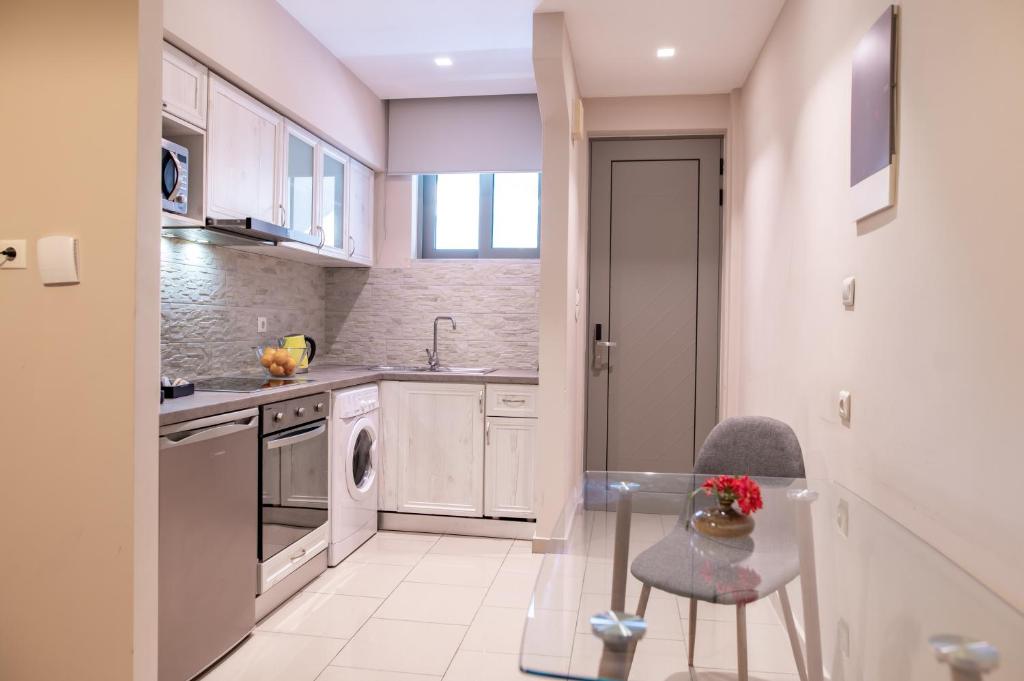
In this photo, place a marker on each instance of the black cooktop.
(245, 384)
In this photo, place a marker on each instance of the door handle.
(279, 442)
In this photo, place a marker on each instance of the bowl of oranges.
(280, 362)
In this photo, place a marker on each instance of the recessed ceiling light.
(443, 61)
(666, 52)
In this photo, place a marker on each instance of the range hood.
(240, 232)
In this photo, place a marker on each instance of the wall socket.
(18, 262)
(261, 325)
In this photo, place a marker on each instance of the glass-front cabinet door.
(333, 178)
(300, 170)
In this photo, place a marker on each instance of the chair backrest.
(751, 445)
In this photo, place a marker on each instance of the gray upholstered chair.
(746, 445)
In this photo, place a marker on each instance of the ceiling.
(391, 44)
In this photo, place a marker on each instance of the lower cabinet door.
(511, 447)
(440, 449)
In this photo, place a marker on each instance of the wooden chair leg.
(741, 642)
(641, 607)
(692, 634)
(794, 638)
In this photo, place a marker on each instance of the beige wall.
(667, 115)
(563, 273)
(262, 48)
(71, 423)
(932, 353)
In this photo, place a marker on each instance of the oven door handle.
(297, 438)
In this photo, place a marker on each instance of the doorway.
(655, 255)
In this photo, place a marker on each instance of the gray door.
(654, 269)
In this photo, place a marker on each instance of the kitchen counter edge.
(325, 378)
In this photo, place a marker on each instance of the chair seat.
(729, 571)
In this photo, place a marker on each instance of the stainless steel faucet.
(432, 358)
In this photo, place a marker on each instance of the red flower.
(729, 489)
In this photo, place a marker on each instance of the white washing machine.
(355, 465)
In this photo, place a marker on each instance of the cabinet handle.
(351, 245)
(507, 400)
(481, 401)
(487, 432)
(284, 215)
(299, 554)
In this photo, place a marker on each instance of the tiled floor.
(414, 607)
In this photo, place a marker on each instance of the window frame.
(427, 203)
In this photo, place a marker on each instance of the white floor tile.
(662, 616)
(360, 579)
(472, 546)
(523, 562)
(521, 546)
(768, 648)
(399, 646)
(455, 569)
(474, 666)
(598, 580)
(393, 548)
(273, 657)
(316, 614)
(500, 630)
(511, 590)
(440, 603)
(353, 674)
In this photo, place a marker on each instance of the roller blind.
(464, 134)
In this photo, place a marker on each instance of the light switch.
(849, 290)
(58, 259)
(844, 405)
(13, 254)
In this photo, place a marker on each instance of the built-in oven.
(294, 485)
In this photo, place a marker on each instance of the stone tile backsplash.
(385, 315)
(211, 296)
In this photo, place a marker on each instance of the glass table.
(825, 587)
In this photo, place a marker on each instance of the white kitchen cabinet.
(510, 457)
(298, 178)
(184, 86)
(244, 143)
(359, 246)
(433, 439)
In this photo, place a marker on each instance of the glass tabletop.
(824, 586)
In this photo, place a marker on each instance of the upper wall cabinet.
(333, 183)
(244, 143)
(184, 86)
(360, 214)
(299, 192)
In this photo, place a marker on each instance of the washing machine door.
(361, 460)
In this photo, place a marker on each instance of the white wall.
(932, 353)
(264, 50)
(665, 115)
(563, 273)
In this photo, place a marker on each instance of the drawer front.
(511, 400)
(282, 564)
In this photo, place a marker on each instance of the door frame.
(709, 151)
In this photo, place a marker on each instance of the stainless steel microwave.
(174, 178)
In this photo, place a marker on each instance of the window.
(480, 215)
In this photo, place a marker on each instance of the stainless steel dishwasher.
(208, 475)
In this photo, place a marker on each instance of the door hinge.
(721, 194)
(721, 166)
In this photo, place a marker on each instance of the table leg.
(741, 642)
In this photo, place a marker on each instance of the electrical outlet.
(843, 517)
(261, 325)
(16, 258)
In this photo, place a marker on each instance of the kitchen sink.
(479, 371)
